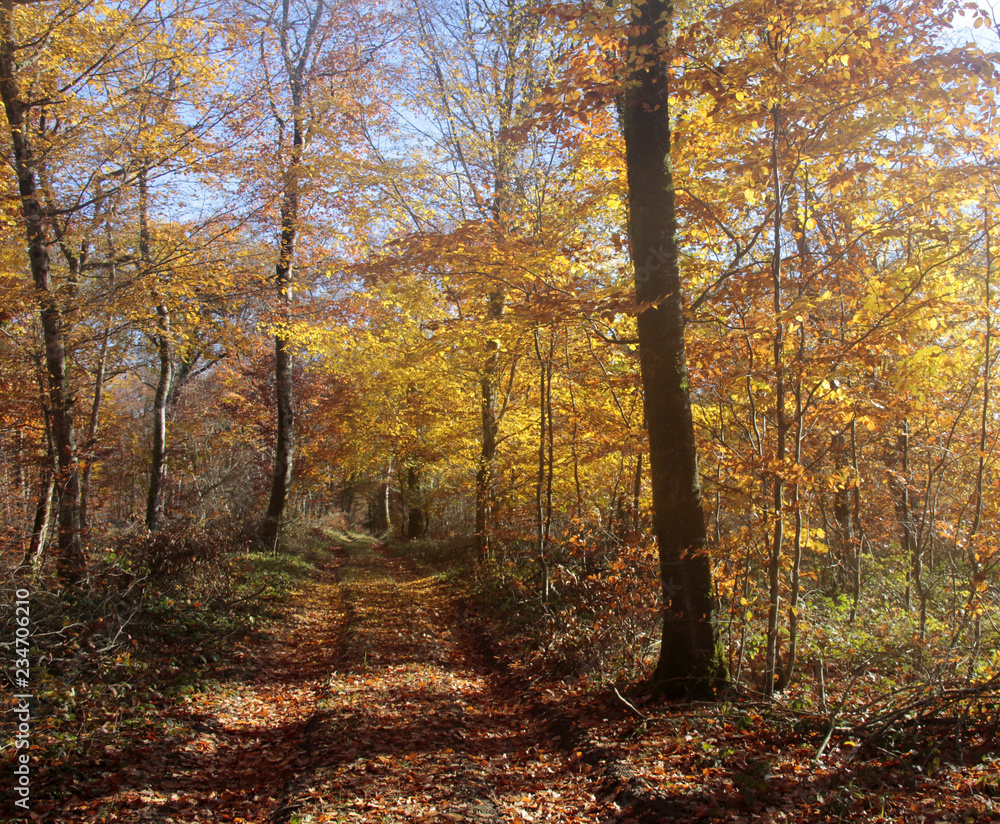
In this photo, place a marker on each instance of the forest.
(500, 410)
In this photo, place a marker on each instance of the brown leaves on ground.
(379, 701)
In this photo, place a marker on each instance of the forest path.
(414, 726)
(375, 699)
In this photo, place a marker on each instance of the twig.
(833, 719)
(645, 718)
(249, 597)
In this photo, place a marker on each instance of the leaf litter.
(379, 699)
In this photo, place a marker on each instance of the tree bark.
(787, 670)
(42, 522)
(771, 656)
(415, 526)
(691, 663)
(296, 66)
(92, 429)
(909, 541)
(158, 457)
(71, 563)
(490, 432)
(546, 465)
(284, 449)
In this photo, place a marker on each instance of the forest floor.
(381, 697)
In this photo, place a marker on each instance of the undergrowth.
(157, 617)
(596, 624)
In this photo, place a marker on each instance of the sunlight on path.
(413, 728)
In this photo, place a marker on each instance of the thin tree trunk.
(975, 564)
(386, 498)
(637, 493)
(788, 668)
(489, 409)
(158, 458)
(859, 538)
(843, 513)
(71, 564)
(781, 431)
(543, 485)
(92, 429)
(904, 518)
(910, 541)
(691, 664)
(42, 521)
(574, 441)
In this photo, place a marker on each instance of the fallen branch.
(645, 718)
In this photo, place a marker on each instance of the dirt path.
(415, 726)
(371, 704)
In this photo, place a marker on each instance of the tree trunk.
(843, 513)
(42, 520)
(43, 508)
(787, 670)
(71, 563)
(691, 664)
(416, 516)
(296, 52)
(158, 458)
(92, 428)
(771, 659)
(975, 563)
(490, 433)
(546, 468)
(284, 450)
(859, 535)
(281, 480)
(908, 540)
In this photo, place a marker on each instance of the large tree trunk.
(71, 563)
(691, 663)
